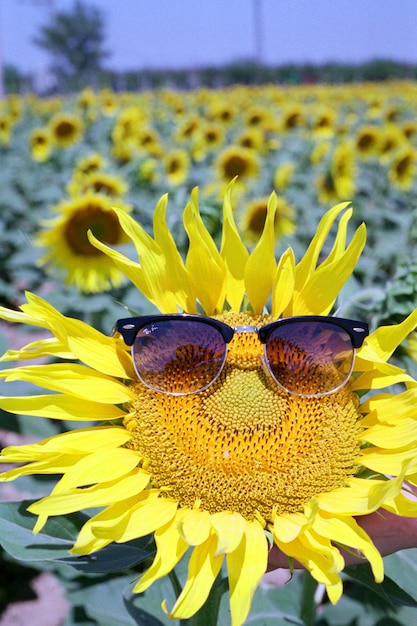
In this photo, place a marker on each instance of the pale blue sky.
(188, 33)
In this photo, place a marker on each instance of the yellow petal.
(230, 528)
(234, 255)
(246, 565)
(378, 375)
(389, 409)
(261, 265)
(87, 344)
(195, 526)
(80, 381)
(347, 532)
(152, 261)
(131, 269)
(203, 569)
(61, 407)
(319, 557)
(111, 517)
(389, 463)
(38, 349)
(21, 318)
(283, 286)
(99, 467)
(170, 549)
(204, 263)
(306, 267)
(389, 437)
(142, 519)
(381, 344)
(402, 505)
(179, 280)
(98, 495)
(319, 293)
(360, 497)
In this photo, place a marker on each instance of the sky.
(196, 33)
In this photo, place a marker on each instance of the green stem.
(308, 603)
(176, 585)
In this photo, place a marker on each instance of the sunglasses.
(183, 354)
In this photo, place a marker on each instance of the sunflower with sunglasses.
(243, 416)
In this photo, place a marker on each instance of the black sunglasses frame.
(130, 326)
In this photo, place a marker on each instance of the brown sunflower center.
(244, 444)
(236, 165)
(103, 224)
(65, 130)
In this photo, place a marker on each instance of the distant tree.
(74, 39)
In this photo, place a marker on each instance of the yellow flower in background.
(367, 141)
(253, 138)
(220, 473)
(402, 171)
(176, 165)
(69, 250)
(392, 139)
(236, 162)
(98, 182)
(89, 164)
(324, 122)
(284, 174)
(6, 127)
(338, 181)
(66, 129)
(40, 144)
(255, 214)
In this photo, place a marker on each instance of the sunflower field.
(77, 173)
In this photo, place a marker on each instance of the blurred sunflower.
(40, 144)
(6, 127)
(402, 171)
(253, 138)
(236, 161)
(97, 182)
(66, 129)
(324, 122)
(176, 166)
(69, 250)
(392, 139)
(338, 180)
(284, 174)
(222, 472)
(255, 214)
(367, 141)
(89, 164)
(293, 117)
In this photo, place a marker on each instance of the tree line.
(75, 43)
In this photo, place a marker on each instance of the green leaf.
(18, 540)
(112, 558)
(388, 589)
(57, 538)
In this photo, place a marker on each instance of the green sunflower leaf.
(388, 590)
(18, 540)
(57, 538)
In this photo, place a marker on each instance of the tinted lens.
(178, 356)
(310, 358)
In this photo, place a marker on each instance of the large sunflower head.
(221, 472)
(68, 249)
